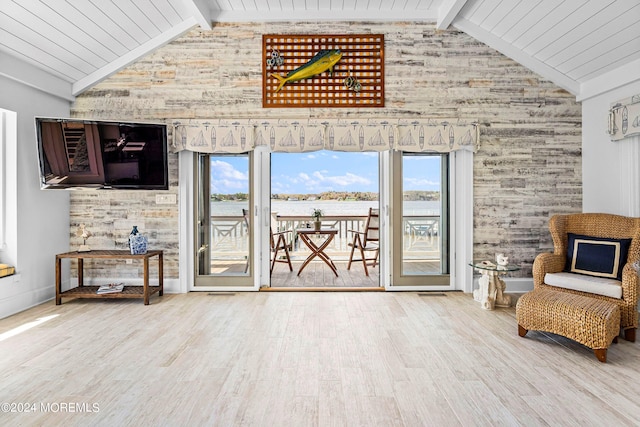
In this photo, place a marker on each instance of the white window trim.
(8, 123)
(462, 220)
(8, 190)
(630, 176)
(461, 226)
(461, 200)
(3, 179)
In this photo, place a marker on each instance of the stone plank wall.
(528, 167)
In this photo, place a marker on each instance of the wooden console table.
(144, 291)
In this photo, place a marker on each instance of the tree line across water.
(413, 195)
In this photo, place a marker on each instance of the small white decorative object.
(502, 261)
(85, 234)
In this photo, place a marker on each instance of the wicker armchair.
(598, 225)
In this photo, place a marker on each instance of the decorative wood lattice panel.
(362, 59)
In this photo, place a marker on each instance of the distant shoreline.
(329, 207)
(350, 196)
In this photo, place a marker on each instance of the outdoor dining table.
(306, 235)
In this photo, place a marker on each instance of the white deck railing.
(228, 233)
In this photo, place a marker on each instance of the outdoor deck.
(318, 275)
(421, 251)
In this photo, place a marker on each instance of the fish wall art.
(320, 71)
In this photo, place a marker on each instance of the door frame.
(461, 217)
(460, 224)
(187, 163)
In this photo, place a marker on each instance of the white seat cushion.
(579, 282)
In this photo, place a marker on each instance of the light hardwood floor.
(319, 276)
(306, 359)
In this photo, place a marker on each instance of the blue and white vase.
(137, 242)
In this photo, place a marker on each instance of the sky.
(319, 171)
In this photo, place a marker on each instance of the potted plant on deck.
(317, 219)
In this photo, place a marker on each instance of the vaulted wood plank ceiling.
(584, 46)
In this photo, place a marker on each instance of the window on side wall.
(8, 135)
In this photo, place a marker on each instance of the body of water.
(328, 207)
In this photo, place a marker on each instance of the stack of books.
(111, 288)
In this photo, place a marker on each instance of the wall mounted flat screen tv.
(77, 153)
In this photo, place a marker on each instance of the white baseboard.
(20, 301)
(172, 286)
(519, 285)
(514, 285)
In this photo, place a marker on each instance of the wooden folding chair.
(278, 242)
(367, 241)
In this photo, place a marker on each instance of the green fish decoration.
(323, 60)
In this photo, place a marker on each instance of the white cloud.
(320, 180)
(226, 170)
(280, 187)
(225, 178)
(227, 186)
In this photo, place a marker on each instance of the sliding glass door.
(420, 219)
(224, 223)
(233, 214)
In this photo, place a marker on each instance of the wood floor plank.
(306, 358)
(331, 404)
